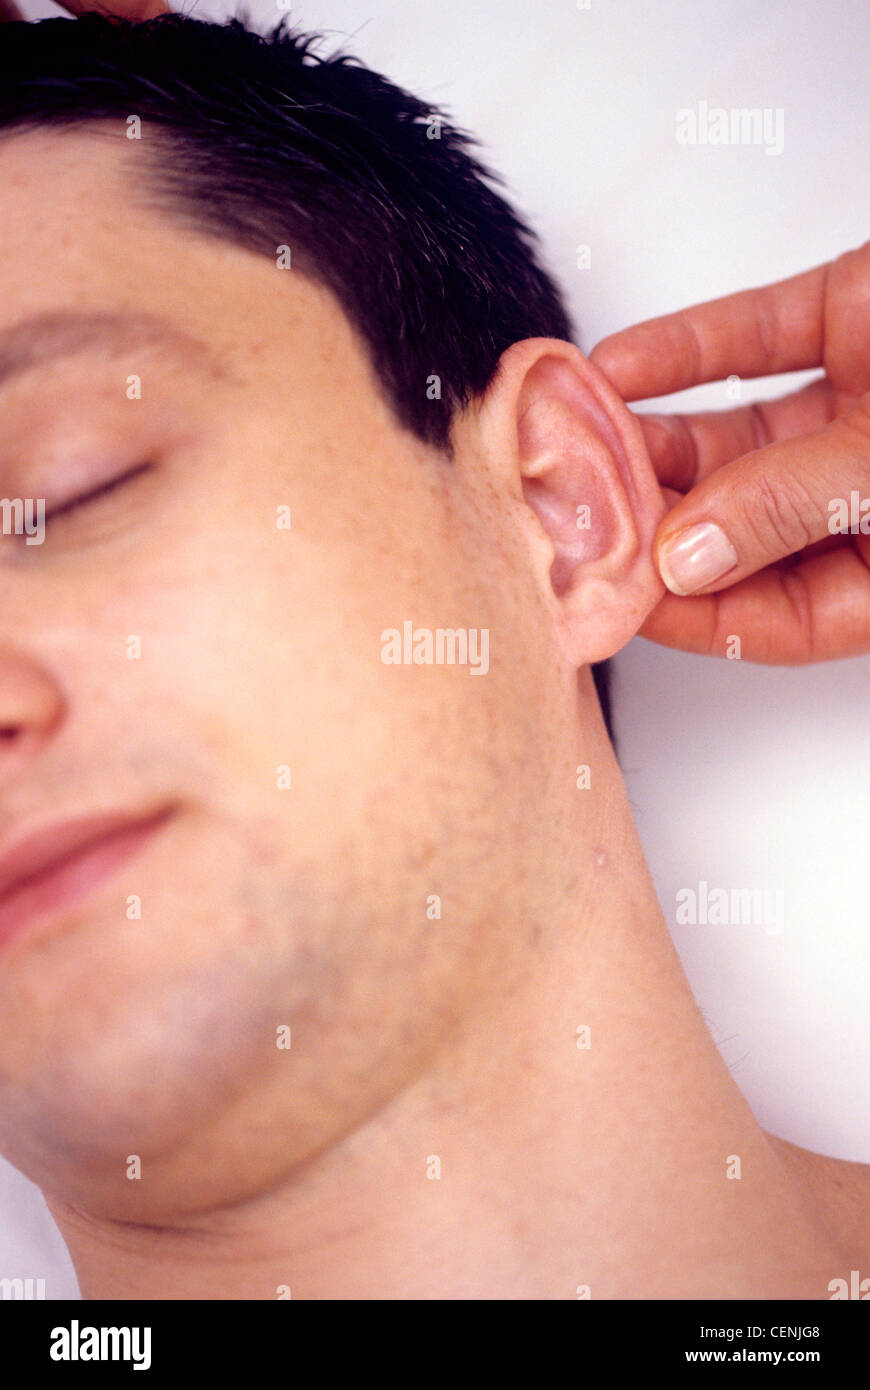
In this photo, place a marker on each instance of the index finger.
(758, 332)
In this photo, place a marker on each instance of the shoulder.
(837, 1193)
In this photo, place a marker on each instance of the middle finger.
(684, 448)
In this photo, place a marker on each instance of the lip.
(56, 867)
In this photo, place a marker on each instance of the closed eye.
(104, 488)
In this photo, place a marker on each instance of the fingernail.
(696, 557)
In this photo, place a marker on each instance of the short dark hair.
(264, 143)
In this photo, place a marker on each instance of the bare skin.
(435, 1129)
(766, 473)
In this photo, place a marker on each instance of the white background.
(742, 776)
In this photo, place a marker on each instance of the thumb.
(768, 504)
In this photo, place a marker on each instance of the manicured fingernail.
(695, 557)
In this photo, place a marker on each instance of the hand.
(122, 9)
(767, 474)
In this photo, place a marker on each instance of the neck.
(522, 1165)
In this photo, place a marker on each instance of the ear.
(568, 439)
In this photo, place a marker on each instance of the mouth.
(53, 869)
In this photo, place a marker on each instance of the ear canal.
(570, 486)
(574, 507)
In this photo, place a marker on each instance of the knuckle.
(803, 646)
(767, 320)
(782, 514)
(685, 449)
(758, 424)
(858, 418)
(687, 347)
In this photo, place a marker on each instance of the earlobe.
(587, 477)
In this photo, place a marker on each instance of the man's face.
(171, 646)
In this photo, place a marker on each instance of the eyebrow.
(50, 337)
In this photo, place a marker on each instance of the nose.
(31, 708)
